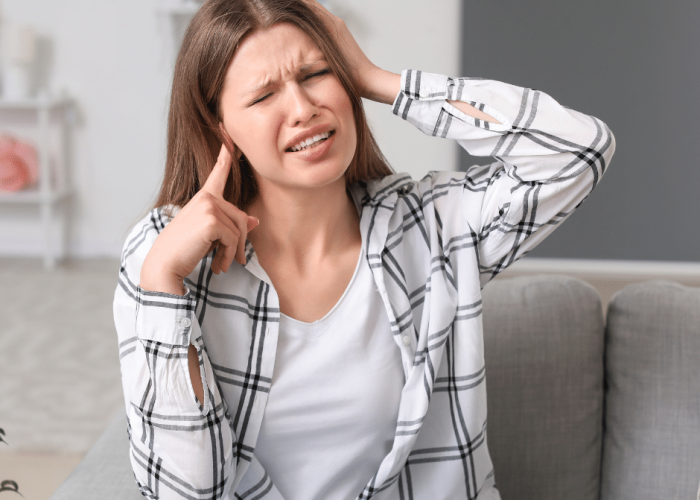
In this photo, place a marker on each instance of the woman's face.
(287, 112)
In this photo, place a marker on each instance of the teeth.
(310, 141)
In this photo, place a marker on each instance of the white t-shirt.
(339, 381)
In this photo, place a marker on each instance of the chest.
(308, 287)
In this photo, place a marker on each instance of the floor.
(59, 372)
(36, 474)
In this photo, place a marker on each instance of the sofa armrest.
(105, 472)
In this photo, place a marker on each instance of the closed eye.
(306, 77)
(260, 99)
(317, 73)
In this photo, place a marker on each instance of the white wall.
(405, 34)
(111, 57)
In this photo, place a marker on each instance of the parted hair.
(194, 137)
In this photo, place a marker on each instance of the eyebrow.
(271, 83)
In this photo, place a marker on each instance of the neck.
(304, 225)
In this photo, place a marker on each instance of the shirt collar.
(378, 190)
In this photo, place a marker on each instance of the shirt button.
(185, 322)
(424, 93)
(406, 340)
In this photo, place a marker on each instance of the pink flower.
(19, 165)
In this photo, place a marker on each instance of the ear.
(228, 142)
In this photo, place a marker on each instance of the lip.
(316, 152)
(319, 129)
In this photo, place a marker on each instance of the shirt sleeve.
(180, 447)
(548, 158)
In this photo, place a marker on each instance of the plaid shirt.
(431, 246)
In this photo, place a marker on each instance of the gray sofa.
(578, 410)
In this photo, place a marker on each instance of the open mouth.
(311, 142)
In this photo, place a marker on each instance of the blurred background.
(84, 90)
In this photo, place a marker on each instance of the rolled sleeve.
(548, 157)
(162, 317)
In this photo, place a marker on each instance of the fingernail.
(252, 222)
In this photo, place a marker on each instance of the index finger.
(216, 182)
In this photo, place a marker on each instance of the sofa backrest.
(543, 341)
(652, 437)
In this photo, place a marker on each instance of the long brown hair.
(209, 44)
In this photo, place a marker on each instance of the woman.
(340, 356)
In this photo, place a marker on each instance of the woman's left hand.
(372, 81)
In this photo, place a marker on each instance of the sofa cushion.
(105, 473)
(652, 442)
(543, 339)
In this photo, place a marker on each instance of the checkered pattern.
(431, 246)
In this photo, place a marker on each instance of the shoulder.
(142, 235)
(441, 182)
(149, 227)
(398, 201)
(434, 183)
(402, 183)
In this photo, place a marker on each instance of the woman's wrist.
(170, 286)
(160, 280)
(380, 85)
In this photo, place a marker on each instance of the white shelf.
(51, 189)
(33, 197)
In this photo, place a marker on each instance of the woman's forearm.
(382, 86)
(470, 110)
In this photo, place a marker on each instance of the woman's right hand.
(207, 221)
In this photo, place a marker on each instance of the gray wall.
(636, 65)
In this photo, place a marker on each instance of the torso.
(333, 404)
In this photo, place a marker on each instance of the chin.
(310, 179)
(317, 180)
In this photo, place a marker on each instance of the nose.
(302, 108)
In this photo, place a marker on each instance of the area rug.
(59, 367)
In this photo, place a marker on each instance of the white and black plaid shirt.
(431, 246)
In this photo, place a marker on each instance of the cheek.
(346, 106)
(347, 117)
(249, 132)
(352, 127)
